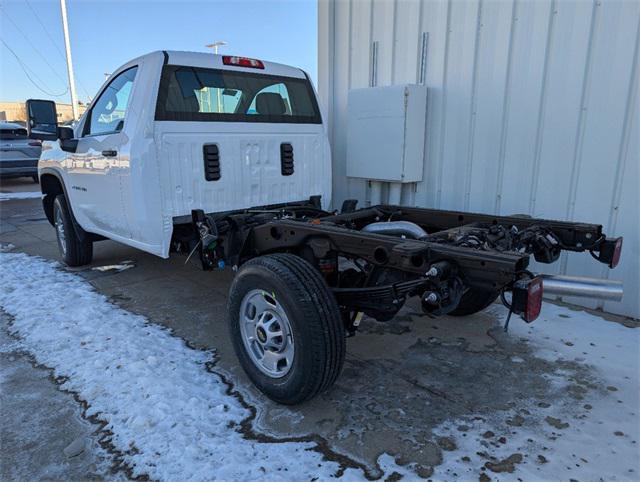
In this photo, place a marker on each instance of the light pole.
(67, 47)
(214, 46)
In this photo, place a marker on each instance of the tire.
(473, 301)
(73, 251)
(310, 354)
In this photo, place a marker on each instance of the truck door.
(102, 159)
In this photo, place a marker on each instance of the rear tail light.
(242, 62)
(609, 252)
(612, 251)
(527, 298)
(617, 251)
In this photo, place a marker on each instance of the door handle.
(110, 153)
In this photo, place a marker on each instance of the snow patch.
(6, 247)
(170, 417)
(596, 438)
(11, 196)
(125, 265)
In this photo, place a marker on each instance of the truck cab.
(170, 132)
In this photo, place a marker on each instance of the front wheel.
(73, 250)
(286, 327)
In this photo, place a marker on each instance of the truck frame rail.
(375, 258)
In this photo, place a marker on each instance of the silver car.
(18, 154)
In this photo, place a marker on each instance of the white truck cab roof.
(214, 61)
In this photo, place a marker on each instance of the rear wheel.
(473, 301)
(286, 327)
(74, 251)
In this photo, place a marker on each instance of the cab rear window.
(199, 94)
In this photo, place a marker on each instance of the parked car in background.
(18, 154)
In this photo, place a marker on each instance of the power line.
(25, 68)
(53, 41)
(33, 46)
(44, 27)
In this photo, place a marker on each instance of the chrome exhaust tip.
(594, 288)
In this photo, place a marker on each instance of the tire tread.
(79, 253)
(321, 312)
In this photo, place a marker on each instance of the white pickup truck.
(228, 157)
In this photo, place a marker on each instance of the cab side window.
(108, 112)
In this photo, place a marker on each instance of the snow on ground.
(596, 438)
(170, 417)
(8, 196)
(5, 247)
(125, 265)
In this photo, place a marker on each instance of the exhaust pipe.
(594, 288)
(397, 228)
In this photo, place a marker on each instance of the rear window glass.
(13, 133)
(198, 94)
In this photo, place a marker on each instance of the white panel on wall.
(434, 20)
(488, 105)
(560, 117)
(360, 45)
(455, 167)
(385, 132)
(406, 42)
(523, 100)
(531, 109)
(384, 33)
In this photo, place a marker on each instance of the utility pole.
(67, 46)
(214, 46)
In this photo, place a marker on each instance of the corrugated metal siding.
(533, 108)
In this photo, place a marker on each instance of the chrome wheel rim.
(266, 333)
(62, 239)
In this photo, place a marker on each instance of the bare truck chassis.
(397, 252)
(372, 260)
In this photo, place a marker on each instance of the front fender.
(52, 184)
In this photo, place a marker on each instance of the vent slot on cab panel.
(211, 157)
(286, 159)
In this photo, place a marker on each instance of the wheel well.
(51, 187)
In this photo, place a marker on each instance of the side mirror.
(65, 133)
(42, 119)
(67, 141)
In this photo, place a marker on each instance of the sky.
(105, 34)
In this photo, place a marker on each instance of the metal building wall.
(533, 108)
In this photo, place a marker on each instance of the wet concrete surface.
(400, 380)
(44, 435)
